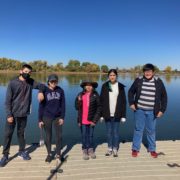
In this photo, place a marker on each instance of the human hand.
(40, 96)
(133, 107)
(79, 98)
(61, 121)
(41, 124)
(92, 123)
(101, 119)
(123, 120)
(159, 114)
(10, 120)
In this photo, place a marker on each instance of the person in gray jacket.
(18, 102)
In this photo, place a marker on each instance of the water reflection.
(78, 78)
(6, 77)
(168, 78)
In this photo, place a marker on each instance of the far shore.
(68, 72)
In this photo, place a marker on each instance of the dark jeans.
(48, 131)
(87, 132)
(112, 129)
(9, 129)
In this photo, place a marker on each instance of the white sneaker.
(115, 153)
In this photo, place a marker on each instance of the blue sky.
(118, 33)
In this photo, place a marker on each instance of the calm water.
(167, 127)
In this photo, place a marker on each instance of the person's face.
(26, 71)
(53, 84)
(88, 88)
(112, 77)
(148, 74)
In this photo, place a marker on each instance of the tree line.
(42, 66)
(7, 64)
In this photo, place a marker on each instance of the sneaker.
(154, 154)
(109, 153)
(85, 154)
(4, 161)
(135, 153)
(91, 153)
(48, 158)
(115, 153)
(24, 155)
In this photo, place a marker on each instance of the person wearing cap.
(113, 101)
(148, 99)
(17, 104)
(52, 113)
(87, 103)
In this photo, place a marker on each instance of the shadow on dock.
(57, 168)
(173, 165)
(29, 150)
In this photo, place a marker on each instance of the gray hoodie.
(19, 97)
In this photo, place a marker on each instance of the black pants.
(9, 129)
(58, 134)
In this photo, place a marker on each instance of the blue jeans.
(87, 132)
(144, 119)
(112, 129)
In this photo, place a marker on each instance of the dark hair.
(26, 66)
(114, 71)
(148, 67)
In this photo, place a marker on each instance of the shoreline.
(96, 73)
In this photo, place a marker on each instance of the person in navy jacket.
(52, 112)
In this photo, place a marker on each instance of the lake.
(168, 127)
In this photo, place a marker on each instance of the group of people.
(147, 98)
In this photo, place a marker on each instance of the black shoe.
(4, 161)
(48, 158)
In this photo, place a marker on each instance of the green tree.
(93, 68)
(84, 66)
(104, 68)
(73, 65)
(58, 67)
(157, 69)
(138, 69)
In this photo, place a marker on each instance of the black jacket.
(121, 102)
(19, 97)
(94, 107)
(160, 97)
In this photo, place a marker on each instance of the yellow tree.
(168, 69)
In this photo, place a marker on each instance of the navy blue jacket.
(160, 97)
(53, 105)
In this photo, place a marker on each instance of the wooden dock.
(124, 167)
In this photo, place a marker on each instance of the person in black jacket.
(148, 99)
(89, 109)
(18, 102)
(52, 112)
(113, 101)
